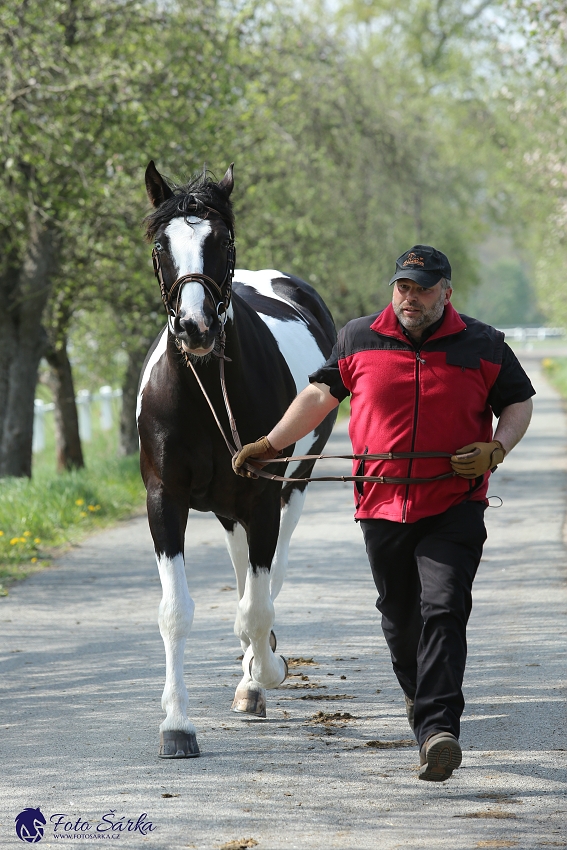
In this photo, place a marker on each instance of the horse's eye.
(158, 246)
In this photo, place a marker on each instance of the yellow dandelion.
(83, 513)
(23, 540)
(1, 534)
(92, 508)
(80, 502)
(34, 560)
(14, 540)
(27, 534)
(37, 540)
(547, 362)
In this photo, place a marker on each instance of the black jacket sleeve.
(330, 374)
(512, 384)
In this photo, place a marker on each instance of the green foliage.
(356, 133)
(505, 297)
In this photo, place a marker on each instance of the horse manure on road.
(391, 745)
(239, 844)
(301, 662)
(327, 696)
(324, 717)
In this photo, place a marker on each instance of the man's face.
(417, 307)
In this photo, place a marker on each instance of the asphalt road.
(83, 668)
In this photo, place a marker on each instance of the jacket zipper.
(418, 361)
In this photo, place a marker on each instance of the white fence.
(525, 334)
(84, 401)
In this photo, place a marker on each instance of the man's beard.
(424, 319)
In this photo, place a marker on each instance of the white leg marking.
(256, 611)
(237, 546)
(289, 519)
(175, 619)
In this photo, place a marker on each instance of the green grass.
(52, 510)
(555, 370)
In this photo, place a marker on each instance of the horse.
(268, 331)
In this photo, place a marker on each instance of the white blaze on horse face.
(175, 619)
(186, 243)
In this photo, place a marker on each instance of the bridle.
(221, 295)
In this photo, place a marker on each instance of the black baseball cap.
(424, 265)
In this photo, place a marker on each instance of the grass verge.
(555, 370)
(53, 510)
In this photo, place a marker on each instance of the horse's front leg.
(261, 666)
(168, 518)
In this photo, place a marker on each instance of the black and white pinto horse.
(278, 330)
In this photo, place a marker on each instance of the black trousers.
(424, 573)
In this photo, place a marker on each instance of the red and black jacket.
(438, 397)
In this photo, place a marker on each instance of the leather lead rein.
(213, 288)
(261, 473)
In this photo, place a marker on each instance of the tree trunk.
(129, 443)
(22, 302)
(68, 441)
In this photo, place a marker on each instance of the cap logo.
(413, 260)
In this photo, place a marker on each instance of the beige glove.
(260, 450)
(474, 460)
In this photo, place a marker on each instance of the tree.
(89, 86)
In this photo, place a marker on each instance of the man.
(422, 378)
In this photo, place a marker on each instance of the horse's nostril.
(189, 327)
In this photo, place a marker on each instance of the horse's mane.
(200, 196)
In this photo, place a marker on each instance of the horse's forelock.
(197, 197)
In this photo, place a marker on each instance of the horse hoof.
(178, 745)
(250, 699)
(273, 641)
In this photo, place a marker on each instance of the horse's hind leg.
(256, 608)
(167, 523)
(292, 505)
(237, 545)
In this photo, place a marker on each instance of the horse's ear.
(227, 182)
(156, 187)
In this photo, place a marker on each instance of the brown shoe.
(439, 757)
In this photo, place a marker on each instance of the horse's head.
(192, 232)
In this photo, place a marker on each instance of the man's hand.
(261, 450)
(474, 460)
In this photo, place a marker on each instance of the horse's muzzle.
(194, 338)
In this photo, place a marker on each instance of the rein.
(261, 473)
(221, 294)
